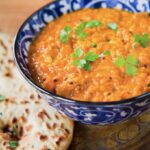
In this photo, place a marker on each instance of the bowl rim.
(42, 90)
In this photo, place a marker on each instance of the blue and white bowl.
(86, 112)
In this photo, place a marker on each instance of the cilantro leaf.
(64, 34)
(91, 56)
(120, 62)
(90, 24)
(2, 97)
(79, 63)
(106, 52)
(87, 66)
(93, 45)
(130, 63)
(132, 60)
(80, 30)
(112, 26)
(143, 40)
(13, 144)
(131, 70)
(67, 29)
(93, 23)
(78, 53)
(83, 35)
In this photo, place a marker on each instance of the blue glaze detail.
(85, 112)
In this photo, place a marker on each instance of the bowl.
(99, 113)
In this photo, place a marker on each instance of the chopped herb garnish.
(81, 27)
(83, 35)
(113, 26)
(120, 62)
(93, 45)
(87, 66)
(106, 52)
(93, 23)
(79, 63)
(91, 56)
(90, 24)
(13, 144)
(130, 64)
(131, 70)
(80, 30)
(2, 97)
(132, 60)
(78, 53)
(143, 40)
(64, 34)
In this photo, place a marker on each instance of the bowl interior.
(35, 23)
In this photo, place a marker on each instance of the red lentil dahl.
(51, 61)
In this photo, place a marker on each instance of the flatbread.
(37, 125)
(12, 84)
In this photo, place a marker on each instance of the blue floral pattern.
(88, 113)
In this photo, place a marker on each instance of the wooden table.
(14, 12)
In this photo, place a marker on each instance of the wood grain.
(14, 12)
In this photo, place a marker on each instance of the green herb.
(83, 35)
(87, 66)
(13, 144)
(81, 27)
(131, 70)
(148, 85)
(80, 30)
(85, 61)
(93, 45)
(113, 26)
(106, 52)
(79, 63)
(130, 63)
(132, 60)
(93, 23)
(91, 56)
(2, 97)
(143, 40)
(120, 62)
(64, 34)
(78, 53)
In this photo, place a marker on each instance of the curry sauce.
(97, 55)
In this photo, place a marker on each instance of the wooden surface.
(14, 12)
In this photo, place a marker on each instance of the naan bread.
(12, 85)
(36, 125)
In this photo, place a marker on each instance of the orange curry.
(96, 55)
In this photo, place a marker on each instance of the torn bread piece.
(26, 121)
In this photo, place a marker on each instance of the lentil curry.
(97, 55)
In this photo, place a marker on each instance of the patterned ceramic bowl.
(85, 112)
